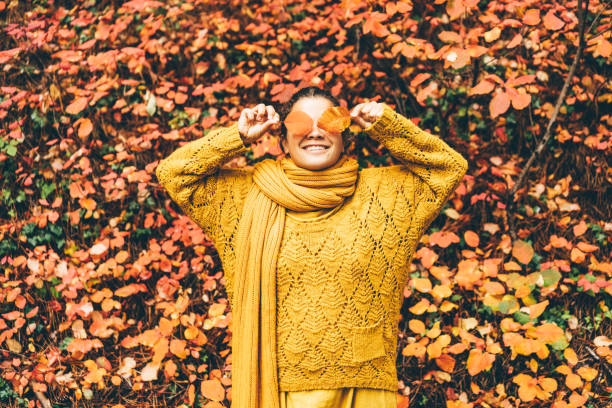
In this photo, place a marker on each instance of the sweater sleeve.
(208, 194)
(435, 167)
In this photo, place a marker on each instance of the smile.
(316, 148)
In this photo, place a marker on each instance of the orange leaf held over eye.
(298, 123)
(335, 119)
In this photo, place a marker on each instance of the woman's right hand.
(254, 122)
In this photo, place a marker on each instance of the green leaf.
(521, 317)
(550, 276)
(11, 150)
(560, 344)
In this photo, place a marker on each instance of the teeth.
(315, 148)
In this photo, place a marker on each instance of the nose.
(315, 132)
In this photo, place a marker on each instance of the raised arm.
(194, 179)
(437, 167)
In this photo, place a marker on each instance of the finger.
(258, 112)
(380, 110)
(270, 111)
(361, 122)
(357, 110)
(249, 114)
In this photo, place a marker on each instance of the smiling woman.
(316, 252)
(316, 149)
(313, 102)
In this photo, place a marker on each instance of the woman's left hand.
(365, 114)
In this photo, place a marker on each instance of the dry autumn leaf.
(298, 123)
(334, 119)
(522, 251)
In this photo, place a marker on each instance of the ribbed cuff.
(376, 129)
(379, 129)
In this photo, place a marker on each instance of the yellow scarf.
(278, 185)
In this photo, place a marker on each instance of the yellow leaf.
(522, 251)
(587, 373)
(492, 35)
(422, 284)
(573, 381)
(420, 307)
(417, 326)
(570, 356)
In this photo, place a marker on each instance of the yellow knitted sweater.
(340, 272)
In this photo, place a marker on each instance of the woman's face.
(298, 147)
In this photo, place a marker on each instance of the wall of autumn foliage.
(111, 297)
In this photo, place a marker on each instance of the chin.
(317, 163)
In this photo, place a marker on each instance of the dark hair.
(309, 92)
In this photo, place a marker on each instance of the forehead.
(312, 105)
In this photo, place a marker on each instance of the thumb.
(360, 122)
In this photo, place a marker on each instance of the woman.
(316, 252)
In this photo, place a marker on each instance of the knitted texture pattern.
(340, 272)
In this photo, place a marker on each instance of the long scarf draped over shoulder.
(278, 185)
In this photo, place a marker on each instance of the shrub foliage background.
(111, 297)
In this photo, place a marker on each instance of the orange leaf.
(516, 40)
(180, 98)
(77, 106)
(520, 100)
(420, 308)
(573, 381)
(191, 394)
(492, 34)
(586, 247)
(532, 17)
(213, 390)
(443, 238)
(577, 256)
(177, 347)
(446, 362)
(414, 349)
(449, 37)
(85, 128)
(471, 238)
(478, 361)
(587, 373)
(417, 326)
(552, 22)
(169, 368)
(494, 288)
(580, 228)
(191, 332)
(334, 119)
(570, 356)
(537, 309)
(422, 284)
(482, 88)
(522, 251)
(468, 274)
(298, 123)
(130, 289)
(499, 104)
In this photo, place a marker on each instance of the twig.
(551, 122)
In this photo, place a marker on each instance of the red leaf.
(552, 22)
(532, 17)
(499, 104)
(77, 106)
